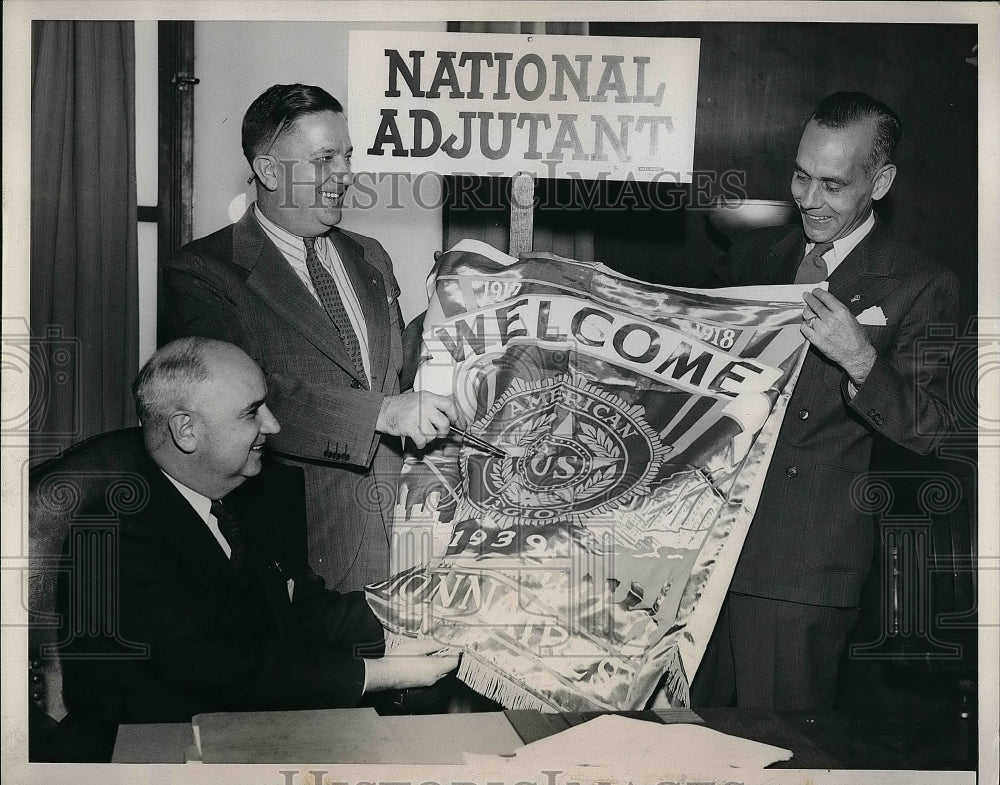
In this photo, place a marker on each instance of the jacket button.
(803, 414)
(873, 414)
(328, 454)
(792, 471)
(355, 384)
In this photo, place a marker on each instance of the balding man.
(213, 573)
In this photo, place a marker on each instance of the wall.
(236, 61)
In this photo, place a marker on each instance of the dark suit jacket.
(235, 285)
(811, 540)
(215, 642)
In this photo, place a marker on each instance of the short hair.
(275, 111)
(840, 110)
(166, 378)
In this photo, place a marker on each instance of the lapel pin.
(855, 298)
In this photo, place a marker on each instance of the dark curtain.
(84, 276)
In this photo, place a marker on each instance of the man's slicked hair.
(840, 110)
(275, 111)
(167, 377)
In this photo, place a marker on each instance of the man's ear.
(266, 169)
(883, 181)
(181, 426)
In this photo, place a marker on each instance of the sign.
(583, 561)
(556, 106)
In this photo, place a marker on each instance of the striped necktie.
(329, 296)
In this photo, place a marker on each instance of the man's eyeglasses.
(267, 151)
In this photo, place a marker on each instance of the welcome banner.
(579, 554)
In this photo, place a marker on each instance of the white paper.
(609, 739)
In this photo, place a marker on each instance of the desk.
(823, 740)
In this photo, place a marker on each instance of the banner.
(578, 543)
(556, 106)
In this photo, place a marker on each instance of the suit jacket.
(235, 285)
(215, 641)
(811, 539)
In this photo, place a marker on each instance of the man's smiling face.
(312, 174)
(833, 191)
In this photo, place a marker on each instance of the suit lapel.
(181, 526)
(865, 277)
(274, 281)
(252, 514)
(859, 282)
(187, 533)
(783, 259)
(370, 290)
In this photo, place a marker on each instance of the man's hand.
(418, 416)
(831, 328)
(413, 663)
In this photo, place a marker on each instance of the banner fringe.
(486, 681)
(675, 685)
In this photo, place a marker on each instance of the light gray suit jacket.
(235, 285)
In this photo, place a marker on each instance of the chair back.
(96, 474)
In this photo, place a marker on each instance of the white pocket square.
(872, 316)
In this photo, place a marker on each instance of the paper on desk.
(609, 740)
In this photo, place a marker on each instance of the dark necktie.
(329, 296)
(230, 529)
(813, 268)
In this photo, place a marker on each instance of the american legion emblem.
(577, 546)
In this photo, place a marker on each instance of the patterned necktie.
(329, 296)
(813, 268)
(230, 529)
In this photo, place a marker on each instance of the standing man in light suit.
(795, 594)
(316, 307)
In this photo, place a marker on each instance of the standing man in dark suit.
(212, 569)
(316, 307)
(794, 597)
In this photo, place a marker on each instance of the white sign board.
(557, 106)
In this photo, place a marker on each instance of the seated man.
(220, 593)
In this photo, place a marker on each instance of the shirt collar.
(202, 504)
(843, 246)
(272, 228)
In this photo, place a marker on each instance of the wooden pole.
(522, 213)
